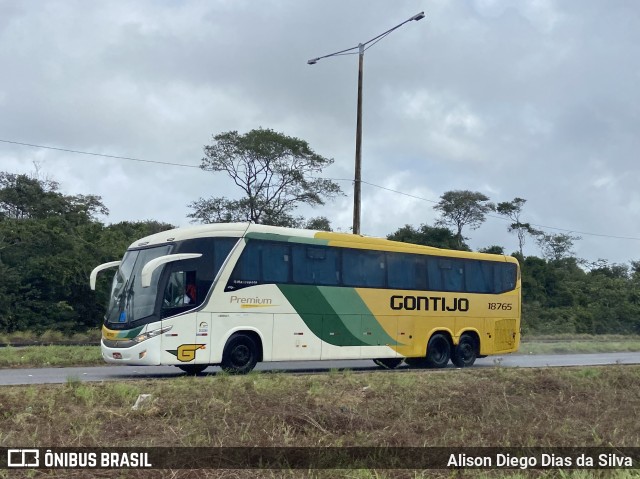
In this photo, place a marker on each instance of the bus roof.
(296, 235)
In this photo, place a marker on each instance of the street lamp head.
(417, 17)
(313, 61)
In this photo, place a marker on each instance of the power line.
(184, 165)
(98, 154)
(494, 216)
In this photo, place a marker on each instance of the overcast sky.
(536, 99)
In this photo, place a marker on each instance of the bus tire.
(193, 369)
(466, 352)
(438, 351)
(388, 363)
(240, 354)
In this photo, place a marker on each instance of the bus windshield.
(129, 301)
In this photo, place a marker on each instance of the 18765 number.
(500, 306)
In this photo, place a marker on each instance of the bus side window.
(505, 280)
(406, 271)
(275, 262)
(363, 268)
(452, 274)
(433, 274)
(315, 265)
(478, 276)
(247, 269)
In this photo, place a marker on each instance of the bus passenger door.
(179, 345)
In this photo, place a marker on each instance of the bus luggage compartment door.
(505, 332)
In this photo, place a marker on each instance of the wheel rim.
(439, 351)
(466, 351)
(241, 355)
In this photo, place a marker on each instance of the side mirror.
(152, 265)
(97, 269)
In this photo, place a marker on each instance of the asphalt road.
(112, 373)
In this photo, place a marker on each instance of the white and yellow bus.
(235, 294)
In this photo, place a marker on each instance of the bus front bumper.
(145, 353)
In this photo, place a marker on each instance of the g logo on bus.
(186, 352)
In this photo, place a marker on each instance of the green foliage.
(460, 208)
(560, 297)
(26, 197)
(49, 242)
(276, 173)
(428, 236)
(513, 210)
(493, 249)
(320, 223)
(556, 246)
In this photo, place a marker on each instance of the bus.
(236, 294)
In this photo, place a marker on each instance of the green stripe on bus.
(132, 333)
(338, 316)
(344, 300)
(319, 316)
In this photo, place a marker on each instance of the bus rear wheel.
(465, 353)
(438, 351)
(388, 363)
(193, 369)
(240, 355)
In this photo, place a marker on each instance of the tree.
(635, 270)
(115, 238)
(275, 173)
(460, 208)
(556, 247)
(24, 197)
(428, 236)
(49, 242)
(320, 223)
(47, 248)
(493, 249)
(513, 210)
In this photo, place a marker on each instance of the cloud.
(536, 99)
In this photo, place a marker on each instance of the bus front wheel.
(465, 353)
(240, 355)
(438, 351)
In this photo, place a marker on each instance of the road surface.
(15, 376)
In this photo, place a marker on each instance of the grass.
(583, 407)
(50, 356)
(564, 344)
(26, 338)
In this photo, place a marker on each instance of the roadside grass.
(50, 356)
(27, 338)
(571, 407)
(581, 344)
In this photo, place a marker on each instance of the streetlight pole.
(357, 180)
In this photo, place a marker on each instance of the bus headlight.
(151, 334)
